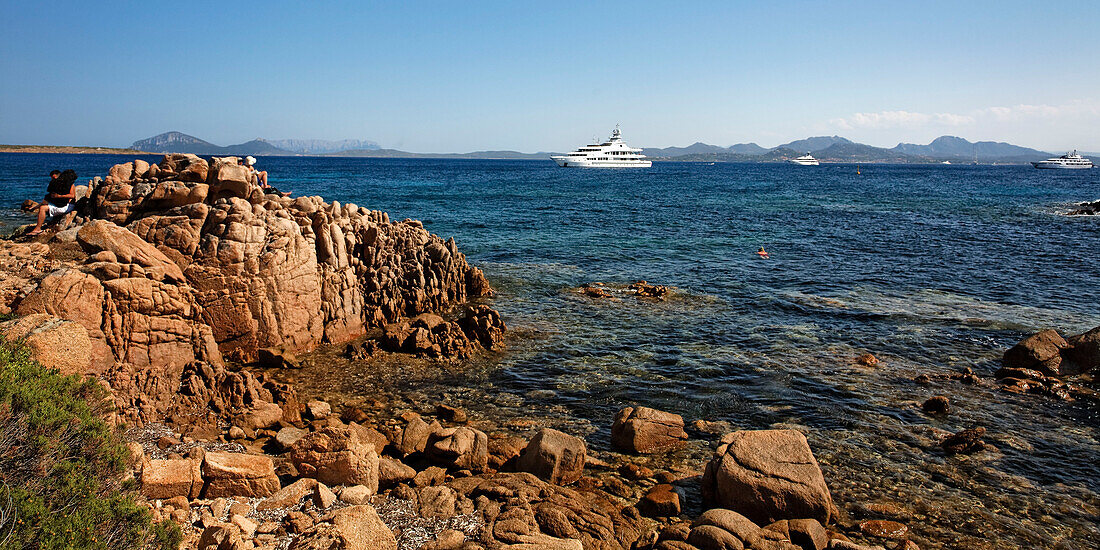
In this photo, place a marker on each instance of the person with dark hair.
(60, 197)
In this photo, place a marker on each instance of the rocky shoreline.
(187, 292)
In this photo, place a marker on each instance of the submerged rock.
(964, 442)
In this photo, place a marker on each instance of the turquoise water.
(931, 268)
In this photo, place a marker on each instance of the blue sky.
(462, 76)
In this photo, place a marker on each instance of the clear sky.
(464, 76)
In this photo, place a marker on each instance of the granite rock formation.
(173, 268)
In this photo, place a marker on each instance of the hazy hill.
(177, 142)
(394, 153)
(693, 149)
(747, 149)
(847, 151)
(322, 146)
(812, 144)
(956, 148)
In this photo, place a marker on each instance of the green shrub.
(61, 465)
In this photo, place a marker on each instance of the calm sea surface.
(932, 268)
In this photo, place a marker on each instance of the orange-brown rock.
(460, 448)
(767, 475)
(351, 528)
(163, 479)
(336, 456)
(646, 430)
(1041, 351)
(237, 474)
(54, 342)
(554, 456)
(185, 261)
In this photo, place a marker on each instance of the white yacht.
(805, 160)
(612, 153)
(1069, 161)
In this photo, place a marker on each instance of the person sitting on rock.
(60, 194)
(259, 177)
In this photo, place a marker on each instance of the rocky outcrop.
(519, 508)
(1051, 355)
(767, 475)
(1085, 209)
(187, 262)
(430, 335)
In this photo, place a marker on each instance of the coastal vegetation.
(62, 465)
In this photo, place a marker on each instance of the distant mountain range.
(825, 148)
(838, 149)
(178, 142)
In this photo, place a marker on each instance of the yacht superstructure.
(613, 153)
(1070, 161)
(805, 160)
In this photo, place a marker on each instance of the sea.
(934, 269)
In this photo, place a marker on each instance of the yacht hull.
(582, 163)
(1059, 166)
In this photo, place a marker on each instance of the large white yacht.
(1067, 161)
(805, 160)
(612, 153)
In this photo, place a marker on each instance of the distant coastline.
(72, 150)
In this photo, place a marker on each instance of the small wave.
(933, 305)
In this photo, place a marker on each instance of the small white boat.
(1068, 161)
(805, 160)
(613, 153)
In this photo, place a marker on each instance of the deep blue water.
(931, 268)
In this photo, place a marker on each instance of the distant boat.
(946, 162)
(805, 160)
(613, 153)
(1068, 161)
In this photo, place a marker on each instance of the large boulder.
(646, 430)
(128, 248)
(461, 448)
(74, 296)
(336, 456)
(767, 475)
(351, 528)
(163, 479)
(554, 456)
(54, 342)
(1041, 351)
(229, 179)
(238, 474)
(1084, 351)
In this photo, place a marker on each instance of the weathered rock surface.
(554, 456)
(237, 474)
(519, 508)
(767, 475)
(646, 430)
(460, 448)
(55, 342)
(336, 456)
(351, 528)
(171, 478)
(187, 261)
